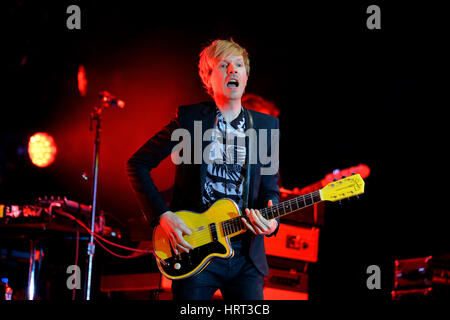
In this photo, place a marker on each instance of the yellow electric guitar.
(213, 228)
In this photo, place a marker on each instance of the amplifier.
(422, 272)
(414, 272)
(282, 285)
(134, 282)
(313, 215)
(422, 278)
(137, 286)
(412, 294)
(280, 294)
(286, 285)
(432, 293)
(294, 242)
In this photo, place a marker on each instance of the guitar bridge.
(213, 230)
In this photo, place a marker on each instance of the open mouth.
(233, 84)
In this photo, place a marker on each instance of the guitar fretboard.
(278, 210)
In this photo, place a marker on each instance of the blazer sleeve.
(143, 161)
(269, 189)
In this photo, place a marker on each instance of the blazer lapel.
(208, 119)
(248, 187)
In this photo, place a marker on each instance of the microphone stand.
(96, 115)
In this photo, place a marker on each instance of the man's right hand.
(175, 227)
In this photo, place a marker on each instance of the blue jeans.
(236, 277)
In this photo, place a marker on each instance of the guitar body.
(207, 238)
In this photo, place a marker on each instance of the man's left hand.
(257, 224)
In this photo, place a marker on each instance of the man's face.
(229, 78)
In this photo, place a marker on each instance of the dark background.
(347, 95)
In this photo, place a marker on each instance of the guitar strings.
(226, 225)
(231, 224)
(205, 232)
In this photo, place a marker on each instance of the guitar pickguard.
(197, 258)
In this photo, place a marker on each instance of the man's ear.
(208, 83)
(208, 79)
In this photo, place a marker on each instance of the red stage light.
(82, 80)
(42, 149)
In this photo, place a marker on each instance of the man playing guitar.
(224, 69)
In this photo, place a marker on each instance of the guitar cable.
(136, 252)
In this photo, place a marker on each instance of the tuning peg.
(353, 173)
(343, 177)
(335, 179)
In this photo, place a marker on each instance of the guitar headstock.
(343, 188)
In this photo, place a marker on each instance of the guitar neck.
(276, 211)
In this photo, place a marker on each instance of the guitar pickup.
(213, 230)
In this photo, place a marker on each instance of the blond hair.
(219, 49)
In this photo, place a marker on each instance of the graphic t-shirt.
(225, 171)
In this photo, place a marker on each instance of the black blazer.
(190, 178)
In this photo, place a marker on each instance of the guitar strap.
(247, 162)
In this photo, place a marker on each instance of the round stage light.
(42, 149)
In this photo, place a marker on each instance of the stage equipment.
(422, 278)
(107, 100)
(281, 284)
(46, 213)
(314, 215)
(286, 285)
(294, 242)
(361, 169)
(47, 221)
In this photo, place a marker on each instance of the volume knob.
(177, 266)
